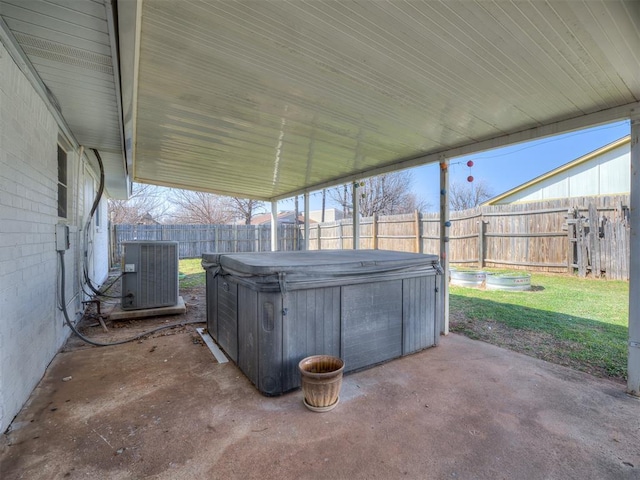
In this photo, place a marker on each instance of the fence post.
(571, 238)
(114, 245)
(581, 247)
(594, 241)
(374, 231)
(256, 240)
(418, 243)
(482, 230)
(319, 238)
(235, 238)
(340, 235)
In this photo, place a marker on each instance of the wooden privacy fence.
(588, 235)
(194, 240)
(552, 236)
(599, 242)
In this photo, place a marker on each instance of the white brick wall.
(31, 325)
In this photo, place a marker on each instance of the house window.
(62, 183)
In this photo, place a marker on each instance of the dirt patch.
(90, 326)
(536, 344)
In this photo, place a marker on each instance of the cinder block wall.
(31, 324)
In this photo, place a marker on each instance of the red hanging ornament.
(470, 178)
(470, 163)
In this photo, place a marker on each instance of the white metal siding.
(605, 174)
(615, 171)
(583, 180)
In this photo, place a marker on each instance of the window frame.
(63, 182)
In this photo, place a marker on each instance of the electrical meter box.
(62, 237)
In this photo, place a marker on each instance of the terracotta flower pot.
(321, 379)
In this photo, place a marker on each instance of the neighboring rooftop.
(283, 217)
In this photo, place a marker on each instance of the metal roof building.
(604, 171)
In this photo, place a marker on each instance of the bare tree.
(468, 195)
(146, 201)
(199, 208)
(244, 208)
(387, 194)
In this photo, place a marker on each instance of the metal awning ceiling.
(267, 99)
(70, 46)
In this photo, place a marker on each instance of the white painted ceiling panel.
(266, 99)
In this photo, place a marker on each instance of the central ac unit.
(149, 274)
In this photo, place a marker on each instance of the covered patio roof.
(266, 100)
(271, 99)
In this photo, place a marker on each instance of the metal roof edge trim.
(528, 202)
(563, 126)
(560, 169)
(117, 81)
(129, 30)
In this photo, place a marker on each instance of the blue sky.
(505, 168)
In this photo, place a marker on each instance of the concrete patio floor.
(163, 408)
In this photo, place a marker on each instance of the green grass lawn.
(577, 322)
(195, 275)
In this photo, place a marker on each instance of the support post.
(296, 229)
(633, 374)
(356, 215)
(444, 242)
(418, 230)
(319, 238)
(307, 245)
(274, 226)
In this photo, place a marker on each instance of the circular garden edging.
(467, 278)
(508, 281)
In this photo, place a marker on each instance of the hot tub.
(270, 310)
